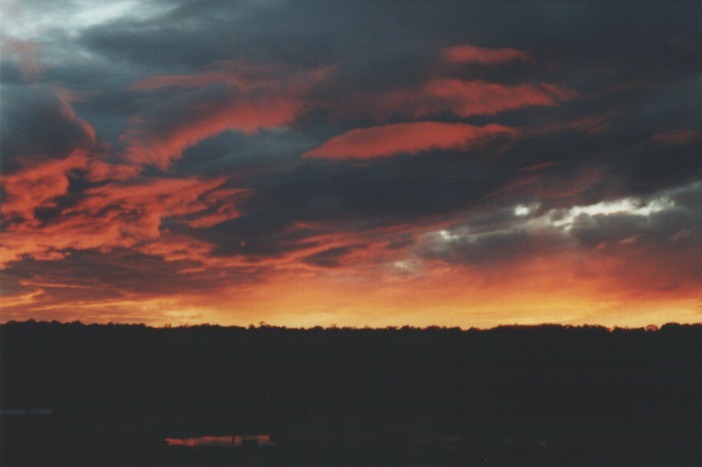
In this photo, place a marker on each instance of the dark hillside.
(544, 393)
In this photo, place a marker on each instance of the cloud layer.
(407, 138)
(305, 163)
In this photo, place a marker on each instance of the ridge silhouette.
(543, 393)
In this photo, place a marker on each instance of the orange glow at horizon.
(529, 294)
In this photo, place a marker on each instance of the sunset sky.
(317, 162)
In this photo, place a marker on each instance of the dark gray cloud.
(89, 275)
(38, 122)
(333, 257)
(665, 230)
(499, 246)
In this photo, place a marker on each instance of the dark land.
(506, 396)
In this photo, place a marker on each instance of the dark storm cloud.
(249, 156)
(322, 31)
(38, 122)
(377, 46)
(230, 97)
(10, 73)
(349, 198)
(190, 35)
(690, 197)
(333, 257)
(89, 275)
(640, 142)
(485, 248)
(665, 230)
(387, 191)
(670, 226)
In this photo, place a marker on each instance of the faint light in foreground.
(228, 441)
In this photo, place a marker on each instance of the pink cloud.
(231, 72)
(467, 98)
(37, 187)
(678, 137)
(135, 209)
(42, 181)
(125, 213)
(26, 55)
(484, 56)
(463, 98)
(407, 138)
(216, 101)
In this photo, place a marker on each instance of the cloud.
(107, 213)
(633, 247)
(43, 182)
(231, 72)
(484, 56)
(136, 147)
(333, 257)
(678, 137)
(466, 98)
(24, 55)
(509, 245)
(100, 286)
(408, 138)
(212, 103)
(41, 121)
(136, 208)
(37, 187)
(440, 96)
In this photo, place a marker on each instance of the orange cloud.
(136, 208)
(124, 213)
(562, 186)
(239, 104)
(234, 73)
(42, 181)
(616, 284)
(37, 187)
(206, 120)
(407, 138)
(483, 56)
(466, 98)
(678, 137)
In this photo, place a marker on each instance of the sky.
(351, 163)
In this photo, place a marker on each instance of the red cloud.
(25, 55)
(466, 98)
(463, 98)
(127, 213)
(234, 73)
(678, 137)
(409, 138)
(566, 188)
(246, 104)
(148, 145)
(473, 54)
(37, 187)
(137, 208)
(41, 182)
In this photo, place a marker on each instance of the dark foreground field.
(111, 395)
